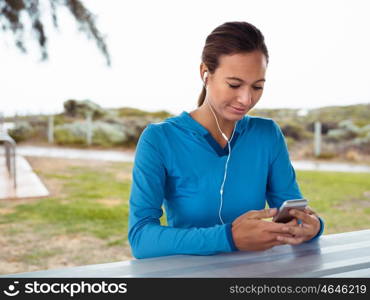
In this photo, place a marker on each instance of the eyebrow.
(236, 78)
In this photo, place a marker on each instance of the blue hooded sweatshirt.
(180, 166)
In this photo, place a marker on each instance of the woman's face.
(237, 84)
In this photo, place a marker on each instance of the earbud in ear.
(205, 77)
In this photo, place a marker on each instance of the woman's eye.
(237, 86)
(233, 86)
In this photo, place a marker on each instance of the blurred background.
(80, 80)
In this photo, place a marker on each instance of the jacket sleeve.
(146, 236)
(282, 184)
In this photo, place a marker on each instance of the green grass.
(38, 256)
(342, 199)
(93, 201)
(79, 210)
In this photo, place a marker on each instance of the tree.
(14, 14)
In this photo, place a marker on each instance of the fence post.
(16, 119)
(317, 138)
(51, 129)
(2, 129)
(89, 132)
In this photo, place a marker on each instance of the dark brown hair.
(227, 39)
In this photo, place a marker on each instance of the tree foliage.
(15, 14)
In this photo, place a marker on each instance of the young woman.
(214, 169)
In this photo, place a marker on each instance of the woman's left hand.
(309, 227)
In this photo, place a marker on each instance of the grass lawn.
(342, 199)
(85, 219)
(93, 201)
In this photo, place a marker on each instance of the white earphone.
(205, 77)
(228, 143)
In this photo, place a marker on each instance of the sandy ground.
(27, 247)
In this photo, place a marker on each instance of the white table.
(335, 255)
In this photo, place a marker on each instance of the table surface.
(335, 255)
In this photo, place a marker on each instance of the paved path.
(29, 184)
(113, 155)
(330, 166)
(108, 155)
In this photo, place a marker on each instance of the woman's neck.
(204, 116)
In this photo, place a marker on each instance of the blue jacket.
(179, 166)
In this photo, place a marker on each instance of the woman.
(214, 168)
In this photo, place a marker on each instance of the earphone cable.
(226, 165)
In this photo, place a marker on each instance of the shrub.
(21, 132)
(103, 134)
(70, 134)
(327, 155)
(134, 112)
(290, 142)
(74, 108)
(295, 131)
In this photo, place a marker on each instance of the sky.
(319, 55)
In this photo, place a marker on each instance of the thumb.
(262, 214)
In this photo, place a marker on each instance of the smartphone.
(283, 215)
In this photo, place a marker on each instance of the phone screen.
(283, 215)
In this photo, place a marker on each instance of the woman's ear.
(203, 73)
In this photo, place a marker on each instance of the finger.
(293, 222)
(290, 240)
(306, 218)
(298, 231)
(261, 214)
(310, 210)
(274, 227)
(274, 238)
(240, 219)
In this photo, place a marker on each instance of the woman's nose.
(245, 97)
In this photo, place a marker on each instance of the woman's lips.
(238, 110)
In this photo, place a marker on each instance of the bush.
(134, 112)
(346, 130)
(362, 143)
(349, 126)
(325, 127)
(336, 135)
(364, 131)
(70, 134)
(290, 142)
(295, 131)
(104, 134)
(327, 155)
(21, 132)
(74, 108)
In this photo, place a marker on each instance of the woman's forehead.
(249, 65)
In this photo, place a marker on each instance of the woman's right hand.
(252, 233)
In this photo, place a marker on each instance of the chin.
(233, 117)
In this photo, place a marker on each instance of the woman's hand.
(305, 231)
(252, 233)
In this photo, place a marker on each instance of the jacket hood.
(185, 121)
